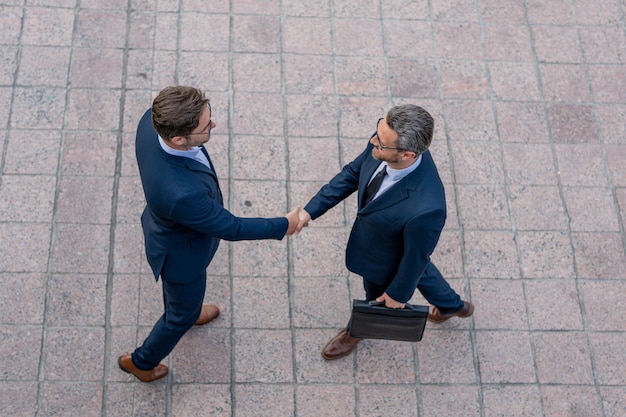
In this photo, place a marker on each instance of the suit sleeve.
(421, 235)
(339, 187)
(202, 214)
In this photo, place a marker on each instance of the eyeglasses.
(380, 146)
(208, 133)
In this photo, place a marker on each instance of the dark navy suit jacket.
(184, 219)
(394, 235)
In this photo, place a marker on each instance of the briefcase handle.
(375, 303)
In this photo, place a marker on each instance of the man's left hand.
(390, 302)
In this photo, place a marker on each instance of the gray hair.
(414, 127)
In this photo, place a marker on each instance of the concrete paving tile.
(477, 164)
(80, 248)
(311, 368)
(320, 302)
(356, 36)
(315, 159)
(545, 254)
(30, 251)
(508, 11)
(37, 108)
(201, 400)
(556, 44)
(610, 367)
(608, 83)
(129, 249)
(514, 81)
(387, 400)
(554, 12)
(308, 74)
(565, 83)
(447, 254)
(47, 26)
(458, 40)
(521, 122)
(76, 300)
(511, 400)
(314, 8)
(360, 76)
(100, 28)
(463, 79)
(412, 77)
(258, 114)
(212, 365)
(304, 35)
(89, 154)
(613, 400)
(406, 38)
(166, 39)
(86, 398)
(616, 159)
(483, 207)
(502, 304)
(581, 201)
(136, 102)
(98, 109)
(260, 303)
(445, 357)
(83, 200)
(581, 164)
(359, 116)
(469, 120)
(599, 255)
(20, 352)
(603, 45)
(572, 123)
(257, 72)
(39, 65)
(301, 192)
(358, 8)
(546, 314)
(22, 300)
(131, 200)
(601, 300)
(253, 400)
(256, 33)
(11, 20)
(103, 4)
(258, 158)
(124, 299)
(23, 397)
(450, 401)
(560, 400)
(263, 7)
(150, 300)
(167, 5)
(320, 400)
(604, 13)
(403, 9)
(491, 254)
(142, 29)
(259, 356)
(537, 208)
(529, 164)
(123, 399)
(27, 198)
(505, 357)
(214, 6)
(311, 257)
(198, 67)
(309, 115)
(55, 3)
(385, 362)
(563, 357)
(507, 42)
(96, 68)
(41, 159)
(258, 198)
(85, 362)
(124, 340)
(455, 10)
(621, 202)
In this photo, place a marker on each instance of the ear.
(409, 155)
(178, 140)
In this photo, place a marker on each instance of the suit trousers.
(431, 284)
(183, 303)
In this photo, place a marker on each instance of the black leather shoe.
(126, 364)
(339, 346)
(465, 311)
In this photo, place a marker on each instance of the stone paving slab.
(529, 98)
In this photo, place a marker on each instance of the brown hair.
(176, 111)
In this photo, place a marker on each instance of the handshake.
(298, 219)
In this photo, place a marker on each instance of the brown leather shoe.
(208, 313)
(126, 364)
(339, 346)
(465, 311)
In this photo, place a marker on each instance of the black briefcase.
(373, 320)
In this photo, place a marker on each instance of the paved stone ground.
(530, 101)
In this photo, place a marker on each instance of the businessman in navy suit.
(184, 220)
(401, 212)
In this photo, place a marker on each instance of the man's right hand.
(293, 219)
(304, 219)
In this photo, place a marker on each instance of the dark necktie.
(374, 186)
